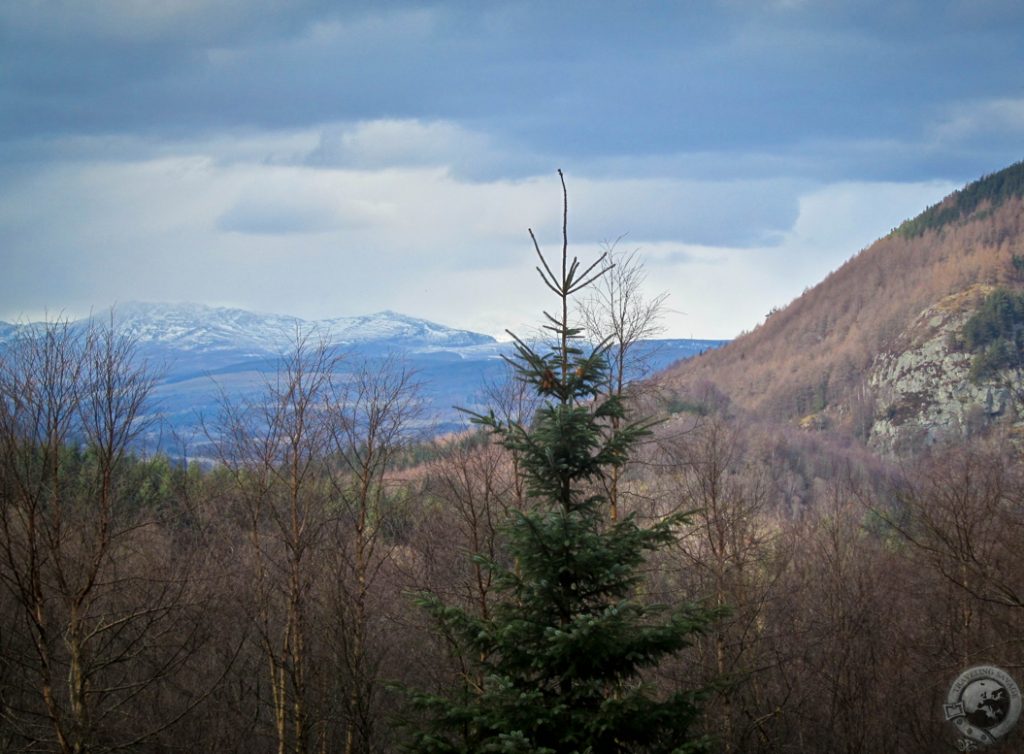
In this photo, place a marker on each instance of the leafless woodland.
(265, 604)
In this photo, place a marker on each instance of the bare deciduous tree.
(275, 449)
(730, 556)
(962, 512)
(103, 601)
(375, 415)
(617, 313)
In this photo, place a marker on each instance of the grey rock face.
(923, 388)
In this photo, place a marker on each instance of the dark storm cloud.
(149, 149)
(569, 79)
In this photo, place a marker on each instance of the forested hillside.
(812, 358)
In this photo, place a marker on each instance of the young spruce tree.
(562, 657)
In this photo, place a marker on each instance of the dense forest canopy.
(987, 193)
(995, 334)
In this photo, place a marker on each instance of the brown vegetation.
(813, 355)
(263, 606)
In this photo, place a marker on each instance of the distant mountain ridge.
(198, 326)
(202, 352)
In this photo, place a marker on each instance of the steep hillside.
(816, 362)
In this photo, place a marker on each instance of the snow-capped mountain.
(204, 353)
(207, 328)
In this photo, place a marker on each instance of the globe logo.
(984, 704)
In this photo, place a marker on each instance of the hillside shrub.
(995, 334)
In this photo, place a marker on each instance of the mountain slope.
(811, 361)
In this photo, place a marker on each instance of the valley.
(258, 533)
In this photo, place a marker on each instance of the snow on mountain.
(203, 353)
(394, 327)
(204, 328)
(200, 327)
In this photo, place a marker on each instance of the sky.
(326, 159)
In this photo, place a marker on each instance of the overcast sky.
(324, 158)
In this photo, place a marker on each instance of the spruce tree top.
(568, 442)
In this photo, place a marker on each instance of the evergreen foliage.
(992, 190)
(559, 663)
(995, 334)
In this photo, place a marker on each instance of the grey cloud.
(728, 78)
(719, 213)
(395, 143)
(680, 257)
(264, 216)
(212, 64)
(727, 112)
(467, 154)
(263, 220)
(185, 22)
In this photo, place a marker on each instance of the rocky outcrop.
(923, 388)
